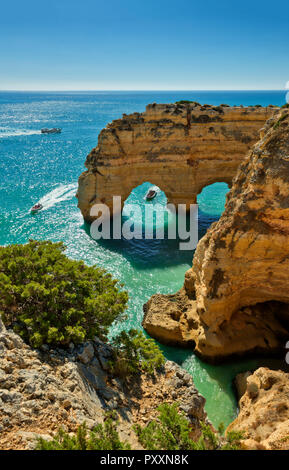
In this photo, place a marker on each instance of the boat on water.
(36, 208)
(54, 130)
(151, 194)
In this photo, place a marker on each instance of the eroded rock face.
(41, 391)
(264, 411)
(179, 147)
(235, 298)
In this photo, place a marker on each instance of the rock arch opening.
(211, 204)
(212, 198)
(148, 216)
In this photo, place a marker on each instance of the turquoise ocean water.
(37, 167)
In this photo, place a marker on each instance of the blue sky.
(144, 44)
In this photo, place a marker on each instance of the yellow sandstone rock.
(264, 411)
(179, 147)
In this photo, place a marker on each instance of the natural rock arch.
(181, 147)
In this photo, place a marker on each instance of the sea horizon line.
(142, 91)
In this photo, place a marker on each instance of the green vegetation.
(219, 109)
(286, 105)
(102, 437)
(172, 431)
(184, 102)
(233, 439)
(188, 102)
(134, 353)
(48, 298)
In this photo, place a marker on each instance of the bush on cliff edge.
(134, 353)
(172, 431)
(48, 298)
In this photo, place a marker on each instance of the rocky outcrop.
(264, 411)
(42, 390)
(235, 298)
(179, 147)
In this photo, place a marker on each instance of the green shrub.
(134, 353)
(184, 102)
(221, 428)
(233, 440)
(172, 431)
(48, 298)
(213, 441)
(102, 437)
(286, 105)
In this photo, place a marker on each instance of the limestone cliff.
(235, 298)
(179, 147)
(264, 411)
(42, 390)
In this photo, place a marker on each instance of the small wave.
(61, 193)
(4, 132)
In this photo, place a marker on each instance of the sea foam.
(61, 193)
(8, 132)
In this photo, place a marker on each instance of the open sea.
(36, 167)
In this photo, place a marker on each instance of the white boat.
(36, 208)
(54, 130)
(151, 194)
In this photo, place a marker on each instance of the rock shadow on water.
(144, 254)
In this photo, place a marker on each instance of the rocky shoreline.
(47, 389)
(44, 389)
